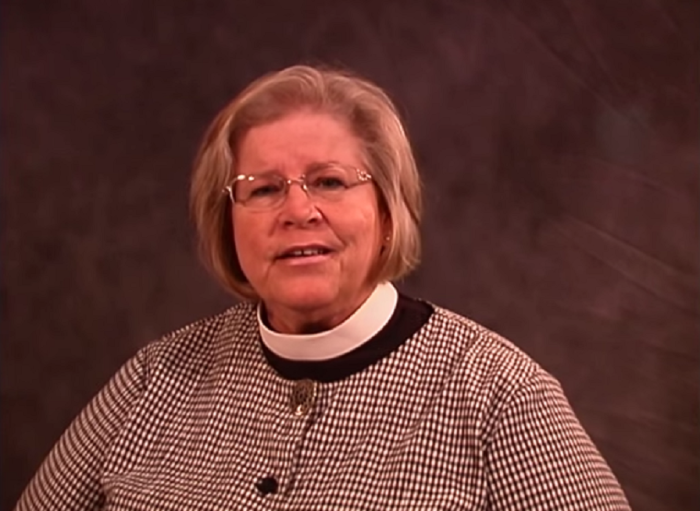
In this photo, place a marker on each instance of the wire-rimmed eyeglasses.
(327, 181)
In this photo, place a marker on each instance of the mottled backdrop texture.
(558, 141)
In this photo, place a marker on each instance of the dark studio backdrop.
(558, 141)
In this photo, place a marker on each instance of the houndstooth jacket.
(435, 412)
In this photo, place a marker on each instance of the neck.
(363, 324)
(303, 322)
(301, 325)
(294, 321)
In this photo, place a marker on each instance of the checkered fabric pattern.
(455, 418)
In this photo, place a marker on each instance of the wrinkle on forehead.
(291, 144)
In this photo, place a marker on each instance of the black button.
(266, 485)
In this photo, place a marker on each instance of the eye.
(264, 189)
(328, 179)
(260, 187)
(328, 183)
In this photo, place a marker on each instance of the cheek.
(367, 232)
(238, 232)
(244, 240)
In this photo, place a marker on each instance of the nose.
(298, 206)
(300, 183)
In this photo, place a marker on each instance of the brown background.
(559, 144)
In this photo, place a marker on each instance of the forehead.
(298, 140)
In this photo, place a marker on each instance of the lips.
(304, 251)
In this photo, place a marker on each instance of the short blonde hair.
(371, 116)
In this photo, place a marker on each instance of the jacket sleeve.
(69, 477)
(539, 456)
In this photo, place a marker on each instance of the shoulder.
(485, 367)
(479, 348)
(202, 341)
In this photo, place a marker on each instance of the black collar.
(408, 317)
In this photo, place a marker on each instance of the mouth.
(304, 252)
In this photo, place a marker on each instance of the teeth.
(306, 252)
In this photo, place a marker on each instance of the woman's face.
(307, 293)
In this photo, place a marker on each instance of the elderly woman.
(325, 388)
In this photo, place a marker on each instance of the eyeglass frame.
(363, 176)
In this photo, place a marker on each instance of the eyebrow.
(309, 167)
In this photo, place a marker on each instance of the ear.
(386, 232)
(386, 225)
(387, 229)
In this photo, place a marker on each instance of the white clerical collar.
(364, 324)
